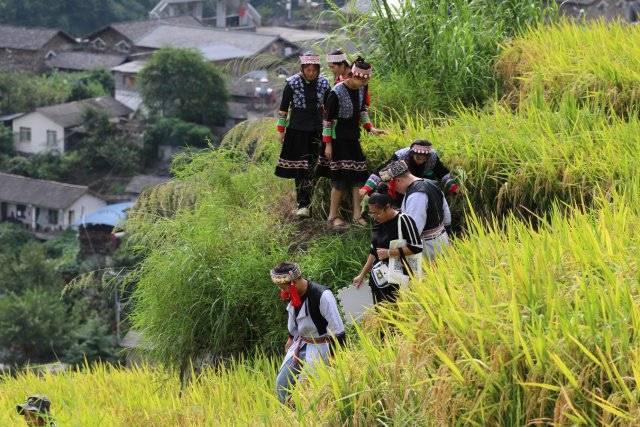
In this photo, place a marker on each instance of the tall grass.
(525, 162)
(511, 327)
(240, 394)
(594, 63)
(437, 55)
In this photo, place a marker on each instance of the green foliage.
(33, 326)
(176, 133)
(21, 92)
(181, 83)
(93, 341)
(6, 141)
(92, 85)
(76, 17)
(104, 149)
(49, 166)
(27, 267)
(206, 265)
(436, 55)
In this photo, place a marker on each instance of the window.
(21, 211)
(25, 134)
(72, 217)
(99, 44)
(53, 217)
(123, 46)
(52, 138)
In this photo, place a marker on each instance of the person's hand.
(383, 253)
(281, 137)
(328, 151)
(288, 344)
(376, 131)
(362, 192)
(358, 280)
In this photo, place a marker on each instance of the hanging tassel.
(292, 295)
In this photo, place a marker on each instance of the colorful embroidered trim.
(335, 59)
(365, 121)
(310, 59)
(359, 72)
(328, 131)
(282, 124)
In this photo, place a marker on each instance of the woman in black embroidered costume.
(343, 160)
(388, 221)
(300, 126)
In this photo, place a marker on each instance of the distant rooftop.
(70, 114)
(293, 35)
(81, 61)
(48, 194)
(28, 38)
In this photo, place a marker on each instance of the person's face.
(337, 69)
(419, 158)
(33, 419)
(380, 214)
(283, 286)
(357, 82)
(310, 72)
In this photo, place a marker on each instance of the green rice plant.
(512, 326)
(238, 394)
(594, 63)
(523, 162)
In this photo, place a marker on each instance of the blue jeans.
(288, 376)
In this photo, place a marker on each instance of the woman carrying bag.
(395, 246)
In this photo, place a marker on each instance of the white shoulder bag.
(412, 263)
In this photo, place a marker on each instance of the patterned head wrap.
(335, 59)
(394, 170)
(309, 58)
(286, 275)
(421, 146)
(360, 72)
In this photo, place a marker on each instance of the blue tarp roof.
(109, 215)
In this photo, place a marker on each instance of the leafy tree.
(91, 340)
(27, 267)
(34, 327)
(103, 148)
(181, 83)
(93, 84)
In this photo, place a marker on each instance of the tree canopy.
(181, 83)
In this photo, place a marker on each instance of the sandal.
(336, 223)
(360, 221)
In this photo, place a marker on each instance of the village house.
(52, 128)
(27, 49)
(121, 38)
(75, 61)
(44, 206)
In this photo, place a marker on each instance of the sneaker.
(303, 213)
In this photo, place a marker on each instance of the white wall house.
(44, 206)
(48, 128)
(36, 133)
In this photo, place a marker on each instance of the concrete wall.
(39, 125)
(83, 206)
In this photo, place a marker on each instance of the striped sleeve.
(410, 233)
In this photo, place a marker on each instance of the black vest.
(314, 293)
(435, 205)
